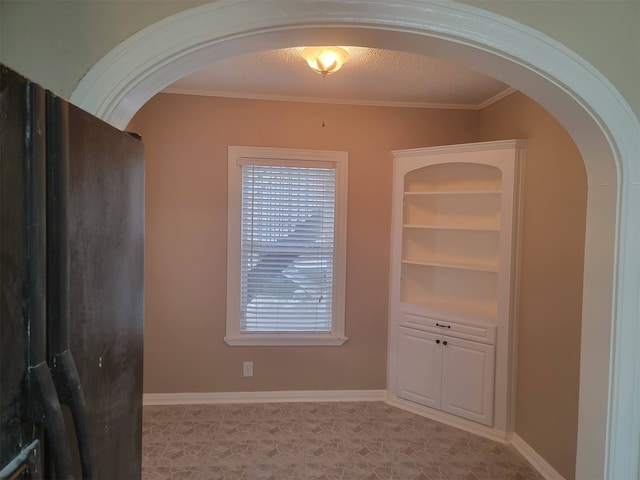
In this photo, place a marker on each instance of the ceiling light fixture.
(325, 60)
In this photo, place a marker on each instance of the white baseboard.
(264, 397)
(540, 464)
(462, 424)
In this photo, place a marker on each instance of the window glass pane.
(287, 251)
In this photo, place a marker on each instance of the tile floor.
(292, 441)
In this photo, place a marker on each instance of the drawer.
(468, 331)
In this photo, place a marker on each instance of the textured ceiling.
(371, 76)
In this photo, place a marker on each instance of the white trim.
(237, 156)
(339, 101)
(451, 420)
(497, 97)
(283, 340)
(543, 467)
(332, 156)
(601, 122)
(198, 398)
(461, 148)
(515, 312)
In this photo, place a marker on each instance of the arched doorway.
(592, 111)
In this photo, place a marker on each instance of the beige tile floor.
(291, 441)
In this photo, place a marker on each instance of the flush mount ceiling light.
(325, 60)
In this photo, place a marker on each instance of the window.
(286, 246)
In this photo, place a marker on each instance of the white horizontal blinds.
(287, 251)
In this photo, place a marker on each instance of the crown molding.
(337, 101)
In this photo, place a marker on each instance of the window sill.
(283, 340)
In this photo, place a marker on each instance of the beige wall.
(186, 140)
(56, 43)
(554, 209)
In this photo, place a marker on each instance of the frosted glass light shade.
(325, 60)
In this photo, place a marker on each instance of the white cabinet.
(446, 373)
(453, 250)
(420, 367)
(467, 379)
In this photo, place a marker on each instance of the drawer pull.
(443, 326)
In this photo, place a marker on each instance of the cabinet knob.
(437, 341)
(444, 343)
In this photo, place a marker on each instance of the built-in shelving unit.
(452, 263)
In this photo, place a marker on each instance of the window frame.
(337, 160)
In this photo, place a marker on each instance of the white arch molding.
(601, 123)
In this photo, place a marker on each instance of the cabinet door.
(419, 366)
(467, 379)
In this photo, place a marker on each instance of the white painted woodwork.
(467, 379)
(476, 332)
(337, 160)
(453, 271)
(419, 367)
(446, 373)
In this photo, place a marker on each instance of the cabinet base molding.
(540, 464)
(451, 420)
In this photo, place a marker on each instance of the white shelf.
(451, 247)
(478, 211)
(461, 266)
(459, 290)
